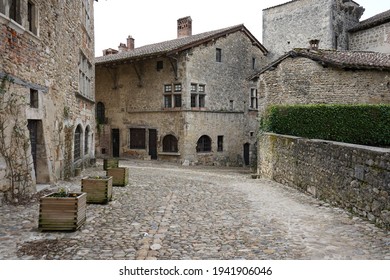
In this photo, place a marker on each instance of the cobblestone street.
(170, 212)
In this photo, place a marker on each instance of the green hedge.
(358, 124)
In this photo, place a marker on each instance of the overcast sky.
(153, 21)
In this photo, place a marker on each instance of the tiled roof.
(373, 21)
(176, 45)
(339, 59)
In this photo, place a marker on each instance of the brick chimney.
(314, 44)
(109, 51)
(184, 27)
(130, 43)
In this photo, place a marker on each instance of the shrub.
(358, 124)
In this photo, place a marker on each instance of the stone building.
(372, 34)
(186, 100)
(294, 23)
(315, 76)
(47, 53)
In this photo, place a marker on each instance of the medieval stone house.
(186, 100)
(47, 53)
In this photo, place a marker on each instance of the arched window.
(100, 113)
(86, 140)
(77, 143)
(204, 144)
(170, 144)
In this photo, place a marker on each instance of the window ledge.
(79, 95)
(168, 154)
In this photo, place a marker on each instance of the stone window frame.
(198, 95)
(204, 144)
(24, 18)
(86, 17)
(34, 98)
(172, 99)
(218, 55)
(101, 113)
(85, 76)
(220, 143)
(170, 144)
(78, 133)
(253, 99)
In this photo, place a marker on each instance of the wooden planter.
(62, 213)
(110, 163)
(99, 190)
(120, 176)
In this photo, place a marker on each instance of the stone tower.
(295, 23)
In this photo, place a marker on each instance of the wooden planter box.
(110, 163)
(120, 176)
(99, 190)
(62, 213)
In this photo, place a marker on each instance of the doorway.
(153, 143)
(246, 154)
(115, 137)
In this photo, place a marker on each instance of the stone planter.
(98, 189)
(62, 213)
(110, 163)
(120, 176)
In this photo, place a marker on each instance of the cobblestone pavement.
(188, 213)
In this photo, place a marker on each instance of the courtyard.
(172, 212)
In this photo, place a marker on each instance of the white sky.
(153, 21)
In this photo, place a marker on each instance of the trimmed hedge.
(357, 124)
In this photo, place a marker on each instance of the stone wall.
(375, 39)
(353, 177)
(295, 23)
(45, 57)
(304, 81)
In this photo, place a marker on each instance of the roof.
(340, 59)
(372, 21)
(176, 45)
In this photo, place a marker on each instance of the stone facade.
(48, 51)
(353, 177)
(295, 23)
(375, 39)
(301, 80)
(195, 99)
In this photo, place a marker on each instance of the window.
(31, 17)
(253, 63)
(170, 144)
(86, 140)
(231, 102)
(204, 144)
(218, 55)
(86, 18)
(2, 7)
(160, 65)
(100, 113)
(77, 143)
(85, 75)
(34, 98)
(172, 100)
(254, 99)
(198, 96)
(137, 138)
(220, 143)
(14, 11)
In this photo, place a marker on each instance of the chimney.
(122, 47)
(130, 43)
(314, 44)
(184, 27)
(109, 51)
